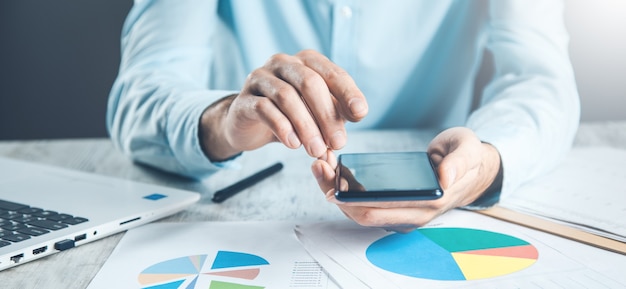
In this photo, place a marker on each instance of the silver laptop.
(46, 209)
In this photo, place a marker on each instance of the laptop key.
(16, 237)
(29, 210)
(11, 206)
(13, 227)
(47, 224)
(33, 231)
(74, 221)
(45, 214)
(10, 216)
(4, 243)
(59, 217)
(25, 219)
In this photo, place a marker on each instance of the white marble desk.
(291, 194)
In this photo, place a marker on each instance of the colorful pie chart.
(183, 272)
(451, 254)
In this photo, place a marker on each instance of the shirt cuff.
(182, 133)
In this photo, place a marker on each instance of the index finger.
(351, 100)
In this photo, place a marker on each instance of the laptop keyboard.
(19, 222)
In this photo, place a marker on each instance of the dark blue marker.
(239, 186)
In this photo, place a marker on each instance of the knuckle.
(366, 218)
(312, 83)
(262, 104)
(419, 221)
(306, 53)
(336, 75)
(281, 129)
(283, 94)
(255, 75)
(278, 58)
(304, 127)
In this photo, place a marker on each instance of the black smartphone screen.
(386, 177)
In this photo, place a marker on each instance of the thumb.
(453, 167)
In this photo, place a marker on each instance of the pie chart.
(184, 272)
(451, 254)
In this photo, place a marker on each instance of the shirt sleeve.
(161, 90)
(530, 110)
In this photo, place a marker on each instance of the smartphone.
(379, 177)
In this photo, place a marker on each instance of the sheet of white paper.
(215, 255)
(587, 190)
(344, 248)
(347, 279)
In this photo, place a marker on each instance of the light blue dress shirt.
(415, 61)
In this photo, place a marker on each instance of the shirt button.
(346, 12)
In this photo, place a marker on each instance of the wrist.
(211, 131)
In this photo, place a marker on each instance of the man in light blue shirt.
(201, 81)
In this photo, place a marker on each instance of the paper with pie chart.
(451, 254)
(459, 249)
(211, 255)
(174, 273)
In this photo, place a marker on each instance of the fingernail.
(338, 140)
(293, 140)
(317, 146)
(357, 107)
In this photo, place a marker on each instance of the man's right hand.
(303, 99)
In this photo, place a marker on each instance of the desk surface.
(291, 194)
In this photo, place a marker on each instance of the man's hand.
(303, 99)
(466, 168)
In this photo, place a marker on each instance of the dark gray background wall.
(59, 58)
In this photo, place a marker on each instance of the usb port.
(16, 259)
(80, 237)
(40, 250)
